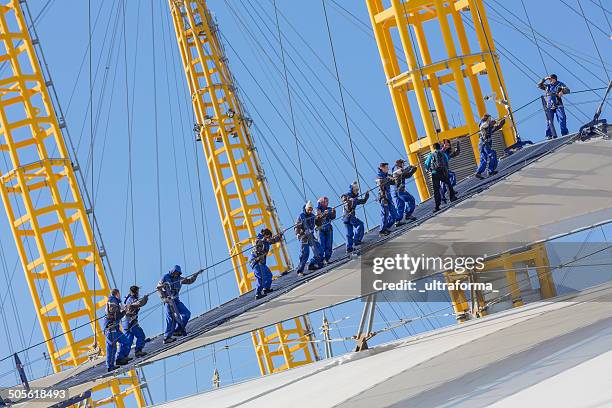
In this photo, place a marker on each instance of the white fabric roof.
(546, 354)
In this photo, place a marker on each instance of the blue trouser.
(388, 214)
(326, 238)
(352, 237)
(453, 180)
(305, 253)
(263, 276)
(114, 336)
(171, 324)
(135, 332)
(405, 204)
(559, 112)
(487, 155)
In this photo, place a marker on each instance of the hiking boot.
(259, 296)
(268, 290)
(111, 368)
(454, 198)
(492, 173)
(436, 209)
(399, 223)
(300, 273)
(122, 361)
(479, 176)
(411, 218)
(383, 233)
(169, 340)
(349, 250)
(139, 353)
(179, 333)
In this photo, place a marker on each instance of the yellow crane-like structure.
(238, 180)
(404, 26)
(47, 214)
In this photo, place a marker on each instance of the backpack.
(438, 162)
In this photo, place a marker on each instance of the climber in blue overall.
(130, 324)
(554, 104)
(177, 314)
(388, 213)
(326, 215)
(488, 155)
(114, 335)
(258, 258)
(403, 199)
(351, 200)
(305, 232)
(447, 149)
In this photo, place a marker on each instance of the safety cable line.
(297, 146)
(346, 120)
(586, 21)
(605, 13)
(534, 37)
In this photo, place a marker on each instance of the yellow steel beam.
(45, 209)
(239, 184)
(403, 25)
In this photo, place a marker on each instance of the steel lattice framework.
(238, 180)
(405, 25)
(46, 211)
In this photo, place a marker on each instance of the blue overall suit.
(452, 177)
(257, 260)
(488, 155)
(388, 213)
(129, 323)
(350, 220)
(404, 201)
(326, 230)
(304, 230)
(169, 287)
(113, 333)
(554, 105)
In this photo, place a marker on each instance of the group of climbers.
(126, 314)
(314, 229)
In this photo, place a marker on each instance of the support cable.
(297, 145)
(535, 39)
(346, 120)
(586, 21)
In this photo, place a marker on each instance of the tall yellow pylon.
(238, 180)
(405, 26)
(47, 214)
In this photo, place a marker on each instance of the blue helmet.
(176, 268)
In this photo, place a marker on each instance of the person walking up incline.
(488, 155)
(447, 148)
(258, 259)
(177, 314)
(304, 230)
(325, 214)
(351, 200)
(404, 200)
(388, 213)
(113, 333)
(437, 164)
(130, 321)
(554, 104)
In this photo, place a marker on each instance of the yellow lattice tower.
(405, 26)
(47, 214)
(238, 180)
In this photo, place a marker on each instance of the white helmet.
(308, 204)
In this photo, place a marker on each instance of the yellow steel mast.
(46, 211)
(239, 184)
(403, 26)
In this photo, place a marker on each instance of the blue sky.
(191, 233)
